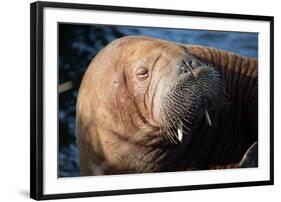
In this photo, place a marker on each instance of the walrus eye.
(142, 72)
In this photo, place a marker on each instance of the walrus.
(150, 105)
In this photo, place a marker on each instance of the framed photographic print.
(134, 100)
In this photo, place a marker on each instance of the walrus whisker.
(181, 110)
(183, 117)
(184, 108)
(171, 136)
(163, 132)
(185, 100)
(174, 124)
(166, 135)
(180, 116)
(169, 133)
(186, 129)
(182, 101)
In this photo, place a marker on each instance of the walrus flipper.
(250, 158)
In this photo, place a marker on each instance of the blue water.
(79, 43)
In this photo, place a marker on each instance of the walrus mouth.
(189, 100)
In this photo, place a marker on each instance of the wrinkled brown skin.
(117, 129)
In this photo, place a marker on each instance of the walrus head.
(141, 96)
(161, 86)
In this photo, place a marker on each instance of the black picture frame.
(37, 101)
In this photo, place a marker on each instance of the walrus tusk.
(207, 116)
(180, 132)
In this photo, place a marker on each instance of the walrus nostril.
(190, 63)
(183, 69)
(189, 67)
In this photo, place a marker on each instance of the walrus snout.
(189, 99)
(190, 65)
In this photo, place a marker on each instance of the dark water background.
(78, 44)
